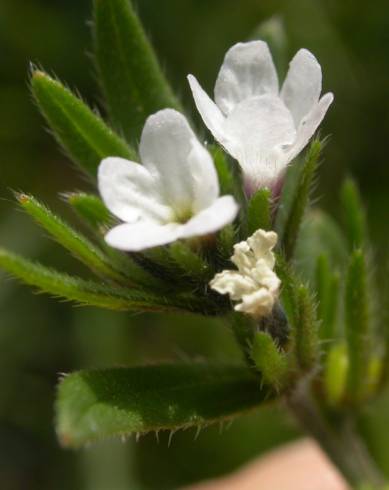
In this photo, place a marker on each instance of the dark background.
(41, 337)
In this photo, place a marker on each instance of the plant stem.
(338, 438)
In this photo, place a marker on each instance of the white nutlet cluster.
(254, 285)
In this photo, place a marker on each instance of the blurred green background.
(41, 337)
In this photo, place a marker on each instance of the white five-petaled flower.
(173, 195)
(261, 127)
(254, 284)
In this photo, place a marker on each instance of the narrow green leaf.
(271, 362)
(90, 293)
(77, 244)
(327, 286)
(89, 208)
(132, 80)
(259, 211)
(305, 331)
(301, 198)
(93, 405)
(84, 135)
(354, 215)
(358, 327)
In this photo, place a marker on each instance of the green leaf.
(304, 332)
(354, 215)
(102, 295)
(84, 135)
(92, 405)
(301, 198)
(259, 211)
(72, 288)
(270, 360)
(77, 244)
(358, 326)
(327, 286)
(132, 80)
(89, 208)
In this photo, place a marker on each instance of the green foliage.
(259, 211)
(224, 171)
(354, 215)
(271, 362)
(92, 405)
(132, 80)
(90, 208)
(83, 134)
(70, 239)
(319, 235)
(335, 373)
(190, 262)
(75, 289)
(102, 295)
(301, 198)
(226, 240)
(305, 339)
(358, 325)
(327, 286)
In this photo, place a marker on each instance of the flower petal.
(248, 70)
(184, 168)
(308, 126)
(259, 126)
(302, 87)
(140, 236)
(130, 191)
(218, 215)
(209, 111)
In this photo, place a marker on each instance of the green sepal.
(301, 198)
(93, 405)
(304, 332)
(224, 170)
(83, 134)
(192, 264)
(270, 361)
(353, 214)
(78, 245)
(358, 326)
(259, 211)
(328, 290)
(90, 209)
(132, 80)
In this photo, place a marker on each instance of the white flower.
(261, 127)
(173, 195)
(254, 284)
